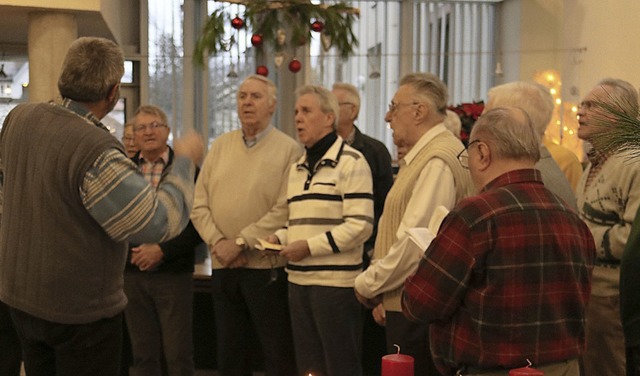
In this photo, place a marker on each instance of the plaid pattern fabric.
(152, 171)
(507, 279)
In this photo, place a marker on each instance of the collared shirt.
(597, 160)
(152, 171)
(507, 279)
(351, 136)
(251, 142)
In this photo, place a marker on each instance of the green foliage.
(619, 126)
(293, 17)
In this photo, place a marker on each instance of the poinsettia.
(468, 113)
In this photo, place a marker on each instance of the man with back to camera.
(158, 278)
(537, 102)
(507, 278)
(608, 198)
(429, 176)
(240, 197)
(74, 199)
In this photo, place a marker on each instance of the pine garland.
(619, 126)
(294, 17)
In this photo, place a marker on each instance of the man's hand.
(369, 303)
(239, 262)
(191, 146)
(146, 256)
(296, 251)
(379, 315)
(226, 251)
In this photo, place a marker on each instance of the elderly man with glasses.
(507, 279)
(430, 176)
(158, 277)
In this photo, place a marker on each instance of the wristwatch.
(241, 243)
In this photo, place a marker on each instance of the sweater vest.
(444, 146)
(56, 262)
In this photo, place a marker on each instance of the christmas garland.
(281, 25)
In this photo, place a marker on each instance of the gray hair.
(622, 94)
(531, 97)
(508, 135)
(91, 68)
(430, 87)
(353, 94)
(272, 91)
(328, 101)
(453, 123)
(153, 110)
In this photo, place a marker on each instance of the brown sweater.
(56, 262)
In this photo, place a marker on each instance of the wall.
(608, 30)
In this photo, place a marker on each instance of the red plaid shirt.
(507, 279)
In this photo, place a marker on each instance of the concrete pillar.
(50, 35)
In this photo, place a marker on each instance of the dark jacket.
(179, 252)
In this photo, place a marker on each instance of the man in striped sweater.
(330, 217)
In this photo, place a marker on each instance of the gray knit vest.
(56, 262)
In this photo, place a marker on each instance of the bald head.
(510, 134)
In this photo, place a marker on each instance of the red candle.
(526, 371)
(397, 364)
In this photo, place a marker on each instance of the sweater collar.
(330, 153)
(82, 111)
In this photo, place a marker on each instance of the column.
(50, 35)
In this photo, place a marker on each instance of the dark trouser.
(374, 344)
(327, 330)
(92, 349)
(10, 350)
(245, 298)
(160, 320)
(413, 339)
(633, 361)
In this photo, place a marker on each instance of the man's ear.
(113, 92)
(421, 111)
(483, 156)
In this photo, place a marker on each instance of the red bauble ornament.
(237, 23)
(262, 70)
(317, 26)
(295, 66)
(256, 40)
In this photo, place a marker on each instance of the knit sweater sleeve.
(128, 208)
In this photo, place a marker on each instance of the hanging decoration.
(262, 70)
(237, 23)
(281, 25)
(256, 40)
(295, 65)
(278, 59)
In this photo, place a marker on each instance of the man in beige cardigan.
(430, 176)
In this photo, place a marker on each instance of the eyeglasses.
(394, 106)
(152, 126)
(463, 156)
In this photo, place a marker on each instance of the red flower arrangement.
(468, 113)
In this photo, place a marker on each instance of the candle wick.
(398, 347)
(530, 364)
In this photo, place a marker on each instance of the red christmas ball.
(262, 70)
(237, 23)
(295, 66)
(256, 40)
(317, 26)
